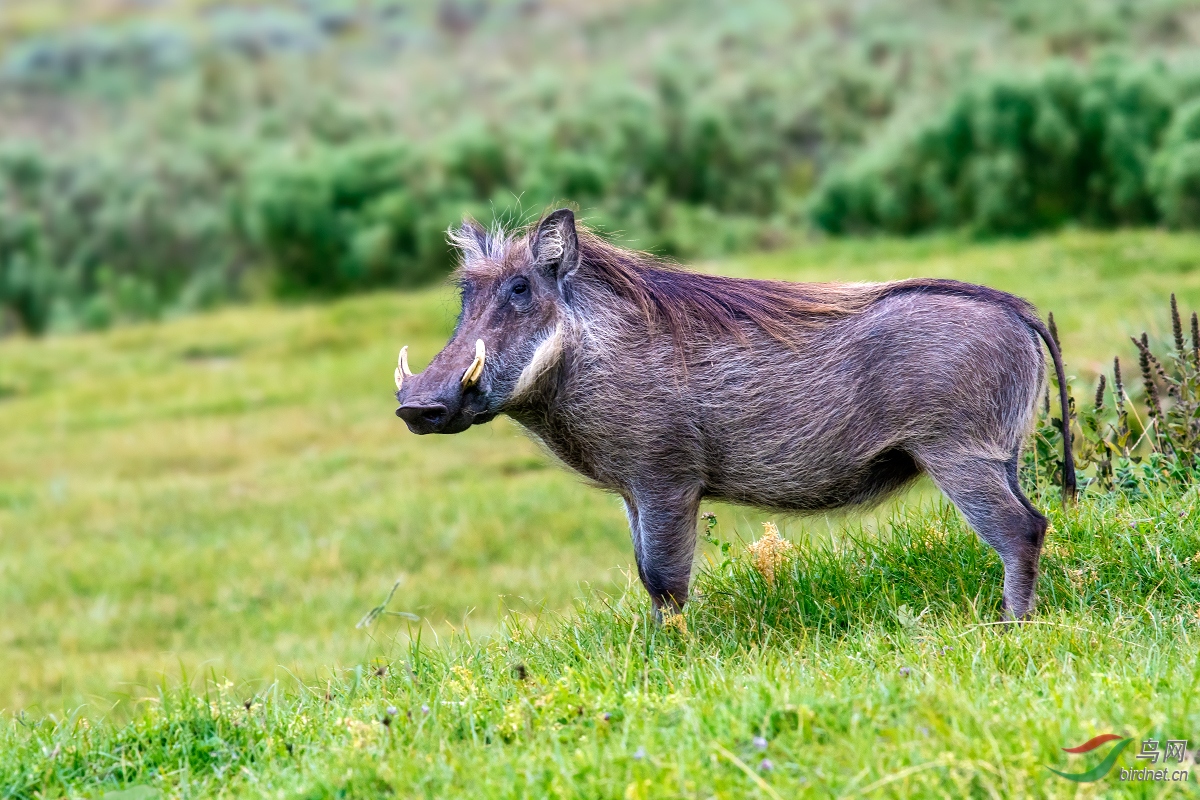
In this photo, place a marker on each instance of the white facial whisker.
(546, 356)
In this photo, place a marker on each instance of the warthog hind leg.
(987, 493)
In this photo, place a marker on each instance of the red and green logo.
(1104, 767)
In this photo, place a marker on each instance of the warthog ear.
(555, 245)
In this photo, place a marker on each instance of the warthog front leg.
(663, 527)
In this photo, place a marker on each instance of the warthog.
(666, 387)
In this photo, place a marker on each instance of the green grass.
(869, 669)
(224, 496)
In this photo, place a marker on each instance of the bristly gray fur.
(668, 386)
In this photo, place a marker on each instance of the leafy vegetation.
(1110, 145)
(193, 153)
(1119, 448)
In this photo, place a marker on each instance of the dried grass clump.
(769, 552)
(674, 620)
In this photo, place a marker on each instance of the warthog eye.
(519, 294)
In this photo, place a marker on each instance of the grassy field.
(873, 668)
(224, 496)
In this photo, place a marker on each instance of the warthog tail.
(1068, 456)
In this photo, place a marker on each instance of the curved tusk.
(475, 371)
(402, 368)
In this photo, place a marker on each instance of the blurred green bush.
(338, 219)
(1175, 171)
(1111, 145)
(190, 209)
(117, 234)
(244, 187)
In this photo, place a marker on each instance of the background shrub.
(333, 220)
(180, 155)
(85, 241)
(1175, 176)
(1017, 155)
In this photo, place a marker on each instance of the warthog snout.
(424, 418)
(439, 399)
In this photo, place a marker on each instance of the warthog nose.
(423, 418)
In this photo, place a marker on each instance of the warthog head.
(508, 334)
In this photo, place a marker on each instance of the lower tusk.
(475, 371)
